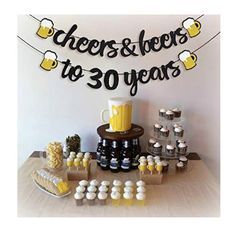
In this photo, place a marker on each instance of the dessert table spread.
(191, 193)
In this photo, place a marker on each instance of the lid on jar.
(129, 183)
(92, 188)
(80, 188)
(183, 158)
(83, 183)
(94, 182)
(141, 196)
(105, 182)
(102, 195)
(128, 189)
(117, 183)
(141, 189)
(180, 164)
(157, 144)
(128, 195)
(116, 189)
(103, 188)
(115, 195)
(79, 195)
(90, 195)
(169, 147)
(140, 183)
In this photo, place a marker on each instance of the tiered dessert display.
(118, 147)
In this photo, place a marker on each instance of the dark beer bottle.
(99, 149)
(136, 150)
(126, 157)
(105, 155)
(115, 157)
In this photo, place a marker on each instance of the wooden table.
(191, 193)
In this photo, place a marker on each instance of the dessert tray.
(49, 193)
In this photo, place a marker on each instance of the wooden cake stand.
(135, 132)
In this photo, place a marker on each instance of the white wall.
(50, 108)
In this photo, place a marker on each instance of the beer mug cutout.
(192, 26)
(120, 114)
(189, 59)
(49, 61)
(46, 28)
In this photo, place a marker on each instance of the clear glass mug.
(53, 159)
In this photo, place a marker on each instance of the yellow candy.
(151, 167)
(142, 167)
(85, 163)
(159, 167)
(69, 163)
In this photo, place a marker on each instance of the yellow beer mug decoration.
(192, 26)
(188, 59)
(49, 61)
(120, 114)
(46, 28)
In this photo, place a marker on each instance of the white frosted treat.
(149, 157)
(178, 129)
(128, 189)
(141, 189)
(69, 159)
(188, 23)
(163, 129)
(76, 160)
(50, 55)
(152, 140)
(176, 109)
(80, 189)
(92, 188)
(103, 188)
(117, 183)
(46, 23)
(105, 182)
(140, 183)
(79, 195)
(176, 125)
(157, 125)
(183, 158)
(169, 112)
(150, 162)
(83, 183)
(116, 189)
(128, 195)
(157, 158)
(115, 195)
(129, 183)
(94, 182)
(182, 145)
(143, 162)
(140, 196)
(142, 158)
(164, 163)
(79, 155)
(87, 155)
(90, 195)
(162, 110)
(72, 153)
(180, 164)
(170, 147)
(156, 145)
(102, 195)
(184, 55)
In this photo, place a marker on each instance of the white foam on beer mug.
(50, 55)
(188, 23)
(46, 23)
(184, 55)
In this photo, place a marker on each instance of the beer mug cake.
(192, 26)
(189, 59)
(49, 61)
(46, 28)
(120, 114)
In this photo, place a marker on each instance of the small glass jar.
(128, 198)
(115, 199)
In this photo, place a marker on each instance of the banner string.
(117, 43)
(86, 70)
